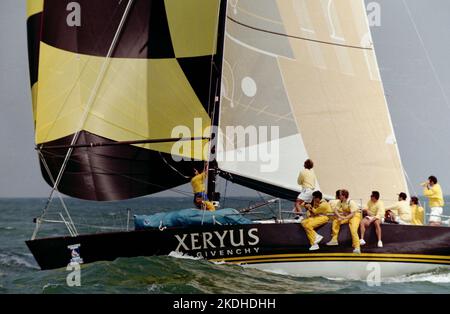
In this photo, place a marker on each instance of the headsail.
(160, 74)
(308, 67)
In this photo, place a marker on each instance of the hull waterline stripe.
(340, 255)
(319, 259)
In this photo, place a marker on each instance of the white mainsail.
(309, 68)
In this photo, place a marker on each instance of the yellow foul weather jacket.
(197, 183)
(403, 210)
(344, 209)
(417, 214)
(307, 179)
(209, 206)
(376, 209)
(318, 217)
(434, 194)
(323, 209)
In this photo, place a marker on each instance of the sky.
(413, 49)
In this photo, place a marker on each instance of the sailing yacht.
(111, 80)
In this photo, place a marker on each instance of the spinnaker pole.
(121, 143)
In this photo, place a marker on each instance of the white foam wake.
(183, 256)
(434, 277)
(14, 260)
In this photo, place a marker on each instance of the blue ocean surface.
(19, 273)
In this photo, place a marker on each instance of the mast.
(214, 109)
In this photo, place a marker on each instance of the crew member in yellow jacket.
(346, 212)
(401, 210)
(198, 188)
(202, 204)
(433, 191)
(318, 212)
(307, 180)
(374, 214)
(198, 184)
(417, 211)
(333, 204)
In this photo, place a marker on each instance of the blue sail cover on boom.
(190, 217)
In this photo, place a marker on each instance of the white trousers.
(436, 211)
(306, 195)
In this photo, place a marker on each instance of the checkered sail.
(126, 70)
(309, 68)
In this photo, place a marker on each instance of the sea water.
(19, 273)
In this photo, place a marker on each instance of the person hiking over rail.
(347, 212)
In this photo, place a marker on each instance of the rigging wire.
(437, 79)
(175, 190)
(296, 37)
(427, 54)
(91, 99)
(172, 167)
(225, 193)
(71, 226)
(410, 182)
(268, 204)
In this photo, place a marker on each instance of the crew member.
(202, 204)
(317, 217)
(374, 213)
(433, 191)
(346, 212)
(307, 180)
(401, 211)
(333, 205)
(198, 184)
(417, 211)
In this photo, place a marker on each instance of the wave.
(439, 276)
(16, 260)
(8, 228)
(179, 273)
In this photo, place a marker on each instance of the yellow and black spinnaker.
(120, 73)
